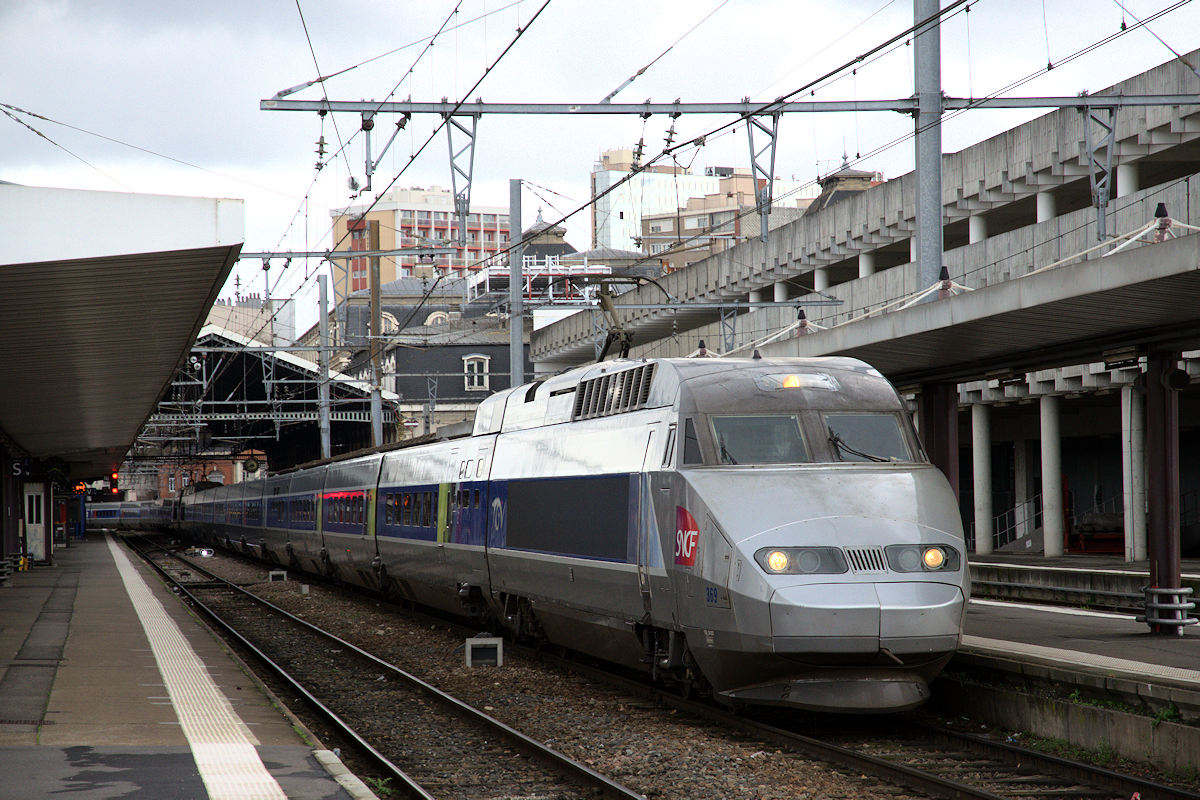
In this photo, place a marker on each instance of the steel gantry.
(760, 116)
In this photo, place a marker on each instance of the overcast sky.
(164, 97)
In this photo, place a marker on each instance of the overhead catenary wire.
(414, 156)
(656, 59)
(520, 32)
(4, 108)
(670, 150)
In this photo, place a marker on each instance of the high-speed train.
(769, 530)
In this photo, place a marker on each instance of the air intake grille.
(865, 559)
(614, 393)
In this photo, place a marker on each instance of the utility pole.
(516, 324)
(376, 342)
(927, 72)
(323, 376)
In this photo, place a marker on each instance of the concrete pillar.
(866, 264)
(1163, 379)
(981, 473)
(755, 297)
(1127, 180)
(937, 412)
(781, 291)
(976, 228)
(1133, 472)
(1021, 478)
(821, 279)
(1047, 206)
(912, 251)
(1052, 487)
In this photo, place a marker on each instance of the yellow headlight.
(777, 561)
(934, 557)
(791, 382)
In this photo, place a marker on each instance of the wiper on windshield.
(726, 458)
(842, 447)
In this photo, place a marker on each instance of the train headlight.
(801, 560)
(922, 558)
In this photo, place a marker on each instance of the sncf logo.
(687, 537)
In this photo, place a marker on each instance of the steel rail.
(891, 771)
(880, 768)
(406, 782)
(1125, 784)
(542, 752)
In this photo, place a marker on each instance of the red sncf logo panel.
(687, 538)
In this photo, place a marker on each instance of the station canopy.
(102, 295)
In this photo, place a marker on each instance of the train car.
(305, 546)
(348, 519)
(431, 523)
(273, 537)
(98, 516)
(769, 530)
(128, 514)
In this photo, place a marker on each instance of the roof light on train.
(772, 382)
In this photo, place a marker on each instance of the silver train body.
(766, 529)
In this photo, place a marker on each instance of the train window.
(669, 450)
(405, 509)
(477, 493)
(759, 439)
(691, 444)
(429, 509)
(867, 437)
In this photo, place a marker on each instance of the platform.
(109, 687)
(1095, 678)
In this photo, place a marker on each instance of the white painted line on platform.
(1090, 570)
(222, 745)
(1134, 670)
(1078, 612)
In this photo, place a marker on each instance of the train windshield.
(759, 439)
(867, 437)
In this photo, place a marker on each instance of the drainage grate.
(26, 722)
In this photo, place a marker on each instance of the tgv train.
(769, 530)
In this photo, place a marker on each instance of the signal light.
(112, 482)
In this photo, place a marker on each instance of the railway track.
(436, 747)
(933, 761)
(912, 752)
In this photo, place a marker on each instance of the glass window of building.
(475, 372)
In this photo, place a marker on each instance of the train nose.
(913, 619)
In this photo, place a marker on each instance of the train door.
(35, 525)
(717, 558)
(647, 527)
